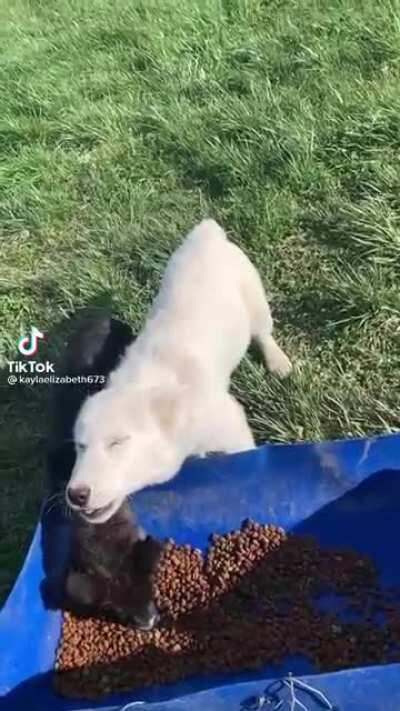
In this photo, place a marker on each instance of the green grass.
(123, 123)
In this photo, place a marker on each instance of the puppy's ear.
(146, 555)
(81, 589)
(169, 407)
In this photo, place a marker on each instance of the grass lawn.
(122, 123)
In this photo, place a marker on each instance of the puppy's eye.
(117, 441)
(80, 447)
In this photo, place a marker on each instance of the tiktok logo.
(28, 345)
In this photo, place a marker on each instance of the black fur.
(111, 569)
(111, 564)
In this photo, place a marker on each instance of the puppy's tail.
(209, 230)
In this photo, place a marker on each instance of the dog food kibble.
(256, 597)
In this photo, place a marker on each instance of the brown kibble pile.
(251, 601)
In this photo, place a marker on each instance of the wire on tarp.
(272, 697)
(130, 706)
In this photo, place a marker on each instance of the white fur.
(169, 398)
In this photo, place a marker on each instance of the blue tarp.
(346, 493)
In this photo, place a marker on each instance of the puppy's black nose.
(148, 618)
(78, 495)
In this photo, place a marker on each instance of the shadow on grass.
(317, 314)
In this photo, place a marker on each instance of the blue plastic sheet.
(345, 493)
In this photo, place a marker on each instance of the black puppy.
(111, 564)
(111, 570)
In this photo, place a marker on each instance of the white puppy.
(169, 397)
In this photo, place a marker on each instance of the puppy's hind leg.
(276, 360)
(261, 323)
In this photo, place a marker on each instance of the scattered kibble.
(251, 601)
